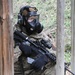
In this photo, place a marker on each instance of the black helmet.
(29, 19)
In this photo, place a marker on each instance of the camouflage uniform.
(28, 23)
(49, 68)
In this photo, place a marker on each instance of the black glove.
(25, 49)
(39, 63)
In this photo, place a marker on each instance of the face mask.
(31, 24)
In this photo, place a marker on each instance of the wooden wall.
(6, 38)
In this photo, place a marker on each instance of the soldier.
(31, 62)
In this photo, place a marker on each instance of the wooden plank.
(60, 38)
(73, 35)
(7, 39)
(1, 65)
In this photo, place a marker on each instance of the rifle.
(42, 50)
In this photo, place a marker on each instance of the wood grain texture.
(60, 37)
(73, 35)
(6, 39)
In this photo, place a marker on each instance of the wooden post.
(1, 50)
(6, 38)
(1, 65)
(60, 38)
(73, 35)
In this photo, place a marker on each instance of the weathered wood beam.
(60, 38)
(6, 38)
(1, 48)
(73, 35)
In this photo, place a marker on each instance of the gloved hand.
(25, 49)
(39, 62)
